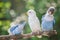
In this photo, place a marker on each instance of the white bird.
(33, 21)
(16, 27)
(48, 21)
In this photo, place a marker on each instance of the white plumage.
(33, 21)
(16, 27)
(48, 21)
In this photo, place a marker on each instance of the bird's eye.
(30, 12)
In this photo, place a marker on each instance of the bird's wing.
(34, 24)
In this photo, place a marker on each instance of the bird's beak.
(26, 14)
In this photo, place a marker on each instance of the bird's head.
(31, 12)
(17, 20)
(51, 10)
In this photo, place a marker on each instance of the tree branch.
(29, 35)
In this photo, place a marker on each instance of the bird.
(33, 22)
(48, 20)
(16, 28)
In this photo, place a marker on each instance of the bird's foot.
(39, 36)
(55, 32)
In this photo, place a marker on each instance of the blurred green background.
(10, 9)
